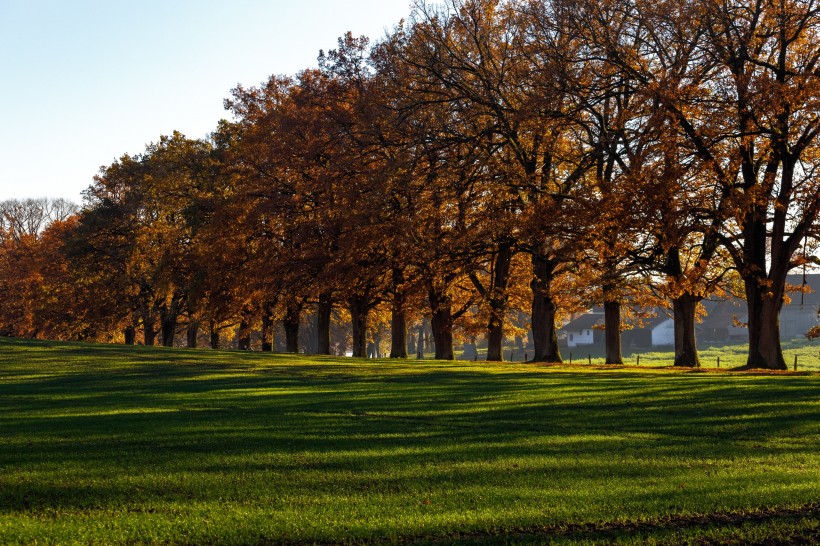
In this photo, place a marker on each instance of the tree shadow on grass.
(136, 435)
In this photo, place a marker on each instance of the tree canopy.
(485, 169)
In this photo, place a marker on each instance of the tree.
(519, 83)
(138, 225)
(742, 89)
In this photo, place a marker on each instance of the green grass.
(107, 444)
(731, 355)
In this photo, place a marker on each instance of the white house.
(582, 331)
(663, 333)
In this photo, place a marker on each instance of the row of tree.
(486, 159)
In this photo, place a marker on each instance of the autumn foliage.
(484, 170)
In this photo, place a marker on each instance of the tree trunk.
(443, 333)
(291, 324)
(168, 325)
(497, 299)
(358, 316)
(612, 331)
(149, 334)
(214, 335)
(191, 334)
(130, 335)
(544, 310)
(398, 319)
(683, 311)
(441, 324)
(426, 334)
(267, 333)
(243, 342)
(686, 349)
(398, 334)
(764, 301)
(377, 344)
(267, 326)
(323, 314)
(495, 340)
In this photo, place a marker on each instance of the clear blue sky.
(83, 82)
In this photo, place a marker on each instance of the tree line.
(488, 166)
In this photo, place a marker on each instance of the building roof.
(586, 321)
(654, 322)
(721, 313)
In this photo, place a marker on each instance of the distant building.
(584, 330)
(724, 322)
(801, 313)
(726, 319)
(588, 329)
(663, 332)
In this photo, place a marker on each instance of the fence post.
(718, 362)
(639, 360)
(589, 357)
(795, 362)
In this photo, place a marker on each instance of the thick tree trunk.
(442, 325)
(243, 341)
(291, 324)
(764, 303)
(443, 334)
(358, 316)
(213, 332)
(323, 314)
(191, 334)
(683, 312)
(398, 334)
(149, 333)
(544, 310)
(168, 325)
(686, 349)
(398, 319)
(149, 323)
(130, 335)
(497, 299)
(612, 332)
(495, 340)
(764, 294)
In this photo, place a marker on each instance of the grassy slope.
(112, 444)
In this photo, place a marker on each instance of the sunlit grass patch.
(734, 355)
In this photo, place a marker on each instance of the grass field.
(806, 352)
(111, 444)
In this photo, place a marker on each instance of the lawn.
(108, 444)
(730, 355)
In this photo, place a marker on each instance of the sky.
(83, 82)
